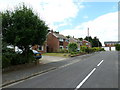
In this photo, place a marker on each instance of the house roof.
(111, 42)
(59, 35)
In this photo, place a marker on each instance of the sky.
(74, 17)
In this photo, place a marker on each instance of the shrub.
(91, 50)
(10, 58)
(117, 47)
(72, 47)
(101, 49)
(83, 48)
(63, 51)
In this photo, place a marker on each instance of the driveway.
(49, 59)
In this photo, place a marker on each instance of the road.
(99, 70)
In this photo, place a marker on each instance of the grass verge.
(57, 54)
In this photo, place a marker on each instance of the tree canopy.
(22, 28)
(94, 41)
(72, 47)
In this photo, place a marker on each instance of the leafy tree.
(80, 39)
(88, 38)
(117, 46)
(68, 36)
(72, 47)
(95, 41)
(22, 28)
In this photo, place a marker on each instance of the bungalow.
(56, 41)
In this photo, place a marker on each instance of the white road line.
(85, 79)
(100, 63)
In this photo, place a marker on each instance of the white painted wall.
(107, 48)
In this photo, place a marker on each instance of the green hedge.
(62, 51)
(117, 47)
(90, 50)
(10, 58)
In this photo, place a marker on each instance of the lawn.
(57, 54)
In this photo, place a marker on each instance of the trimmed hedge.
(90, 50)
(10, 58)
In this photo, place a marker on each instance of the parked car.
(37, 54)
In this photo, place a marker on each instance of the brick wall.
(65, 44)
(109, 45)
(52, 43)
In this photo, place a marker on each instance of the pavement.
(46, 64)
(31, 70)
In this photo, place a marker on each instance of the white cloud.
(50, 10)
(104, 27)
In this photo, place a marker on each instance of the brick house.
(86, 43)
(111, 43)
(56, 41)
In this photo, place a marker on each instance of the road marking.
(85, 79)
(100, 63)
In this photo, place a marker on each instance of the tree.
(94, 42)
(72, 47)
(117, 46)
(80, 39)
(22, 28)
(88, 38)
(68, 36)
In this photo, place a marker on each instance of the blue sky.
(73, 17)
(91, 11)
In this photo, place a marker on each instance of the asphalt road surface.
(97, 71)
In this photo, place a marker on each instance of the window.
(61, 39)
(67, 47)
(61, 43)
(40, 47)
(66, 40)
(61, 47)
(86, 43)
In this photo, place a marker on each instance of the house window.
(86, 43)
(61, 39)
(66, 40)
(61, 43)
(67, 47)
(61, 47)
(40, 47)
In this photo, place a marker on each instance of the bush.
(5, 62)
(72, 47)
(63, 51)
(117, 47)
(10, 58)
(91, 50)
(83, 48)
